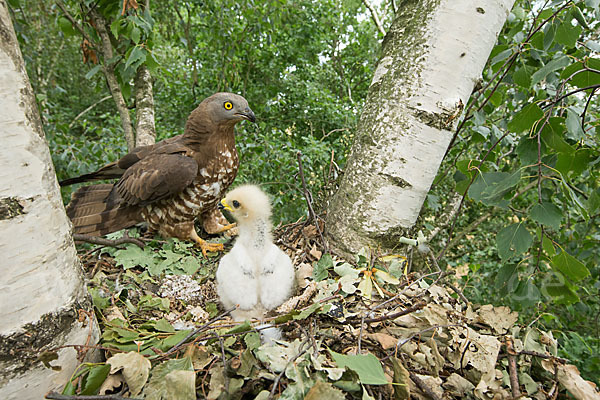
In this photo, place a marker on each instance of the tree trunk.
(111, 79)
(41, 289)
(145, 132)
(432, 56)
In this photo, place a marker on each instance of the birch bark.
(41, 286)
(432, 56)
(145, 132)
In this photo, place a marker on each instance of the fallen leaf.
(386, 341)
(323, 390)
(135, 369)
(181, 385)
(111, 383)
(570, 378)
(315, 253)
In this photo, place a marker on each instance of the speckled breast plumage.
(174, 216)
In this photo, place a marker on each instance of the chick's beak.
(224, 206)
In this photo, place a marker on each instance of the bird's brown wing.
(156, 177)
(116, 169)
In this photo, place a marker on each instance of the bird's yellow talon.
(206, 246)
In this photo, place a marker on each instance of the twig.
(512, 368)
(308, 197)
(300, 353)
(458, 292)
(58, 396)
(596, 86)
(107, 242)
(374, 16)
(200, 329)
(587, 103)
(81, 114)
(74, 23)
(362, 325)
(409, 310)
(423, 386)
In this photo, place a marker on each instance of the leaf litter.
(360, 330)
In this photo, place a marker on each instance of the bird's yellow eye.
(228, 105)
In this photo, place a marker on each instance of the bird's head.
(228, 108)
(246, 204)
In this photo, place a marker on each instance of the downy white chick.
(255, 275)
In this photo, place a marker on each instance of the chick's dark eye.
(228, 105)
(236, 203)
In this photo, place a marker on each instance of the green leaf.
(490, 187)
(252, 340)
(549, 35)
(320, 270)
(133, 256)
(93, 71)
(162, 325)
(575, 200)
(95, 378)
(505, 275)
(513, 240)
(578, 15)
(524, 119)
(568, 34)
(308, 311)
(548, 246)
(554, 65)
(576, 162)
(552, 135)
(136, 57)
(571, 267)
(522, 76)
(367, 367)
(136, 33)
(65, 26)
(245, 327)
(527, 150)
(561, 292)
(582, 78)
(574, 125)
(547, 214)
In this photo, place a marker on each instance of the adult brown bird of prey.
(168, 184)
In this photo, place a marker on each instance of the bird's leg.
(204, 245)
(214, 223)
(225, 228)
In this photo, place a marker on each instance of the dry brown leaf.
(111, 383)
(113, 312)
(570, 378)
(386, 341)
(136, 369)
(304, 274)
(315, 252)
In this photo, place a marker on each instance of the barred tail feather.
(94, 211)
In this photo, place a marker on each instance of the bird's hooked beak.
(247, 114)
(223, 204)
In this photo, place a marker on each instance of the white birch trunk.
(432, 56)
(41, 285)
(145, 131)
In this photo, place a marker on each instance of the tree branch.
(374, 16)
(81, 114)
(111, 79)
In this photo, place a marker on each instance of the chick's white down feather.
(255, 275)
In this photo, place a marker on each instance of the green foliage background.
(524, 156)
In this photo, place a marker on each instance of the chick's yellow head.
(247, 203)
